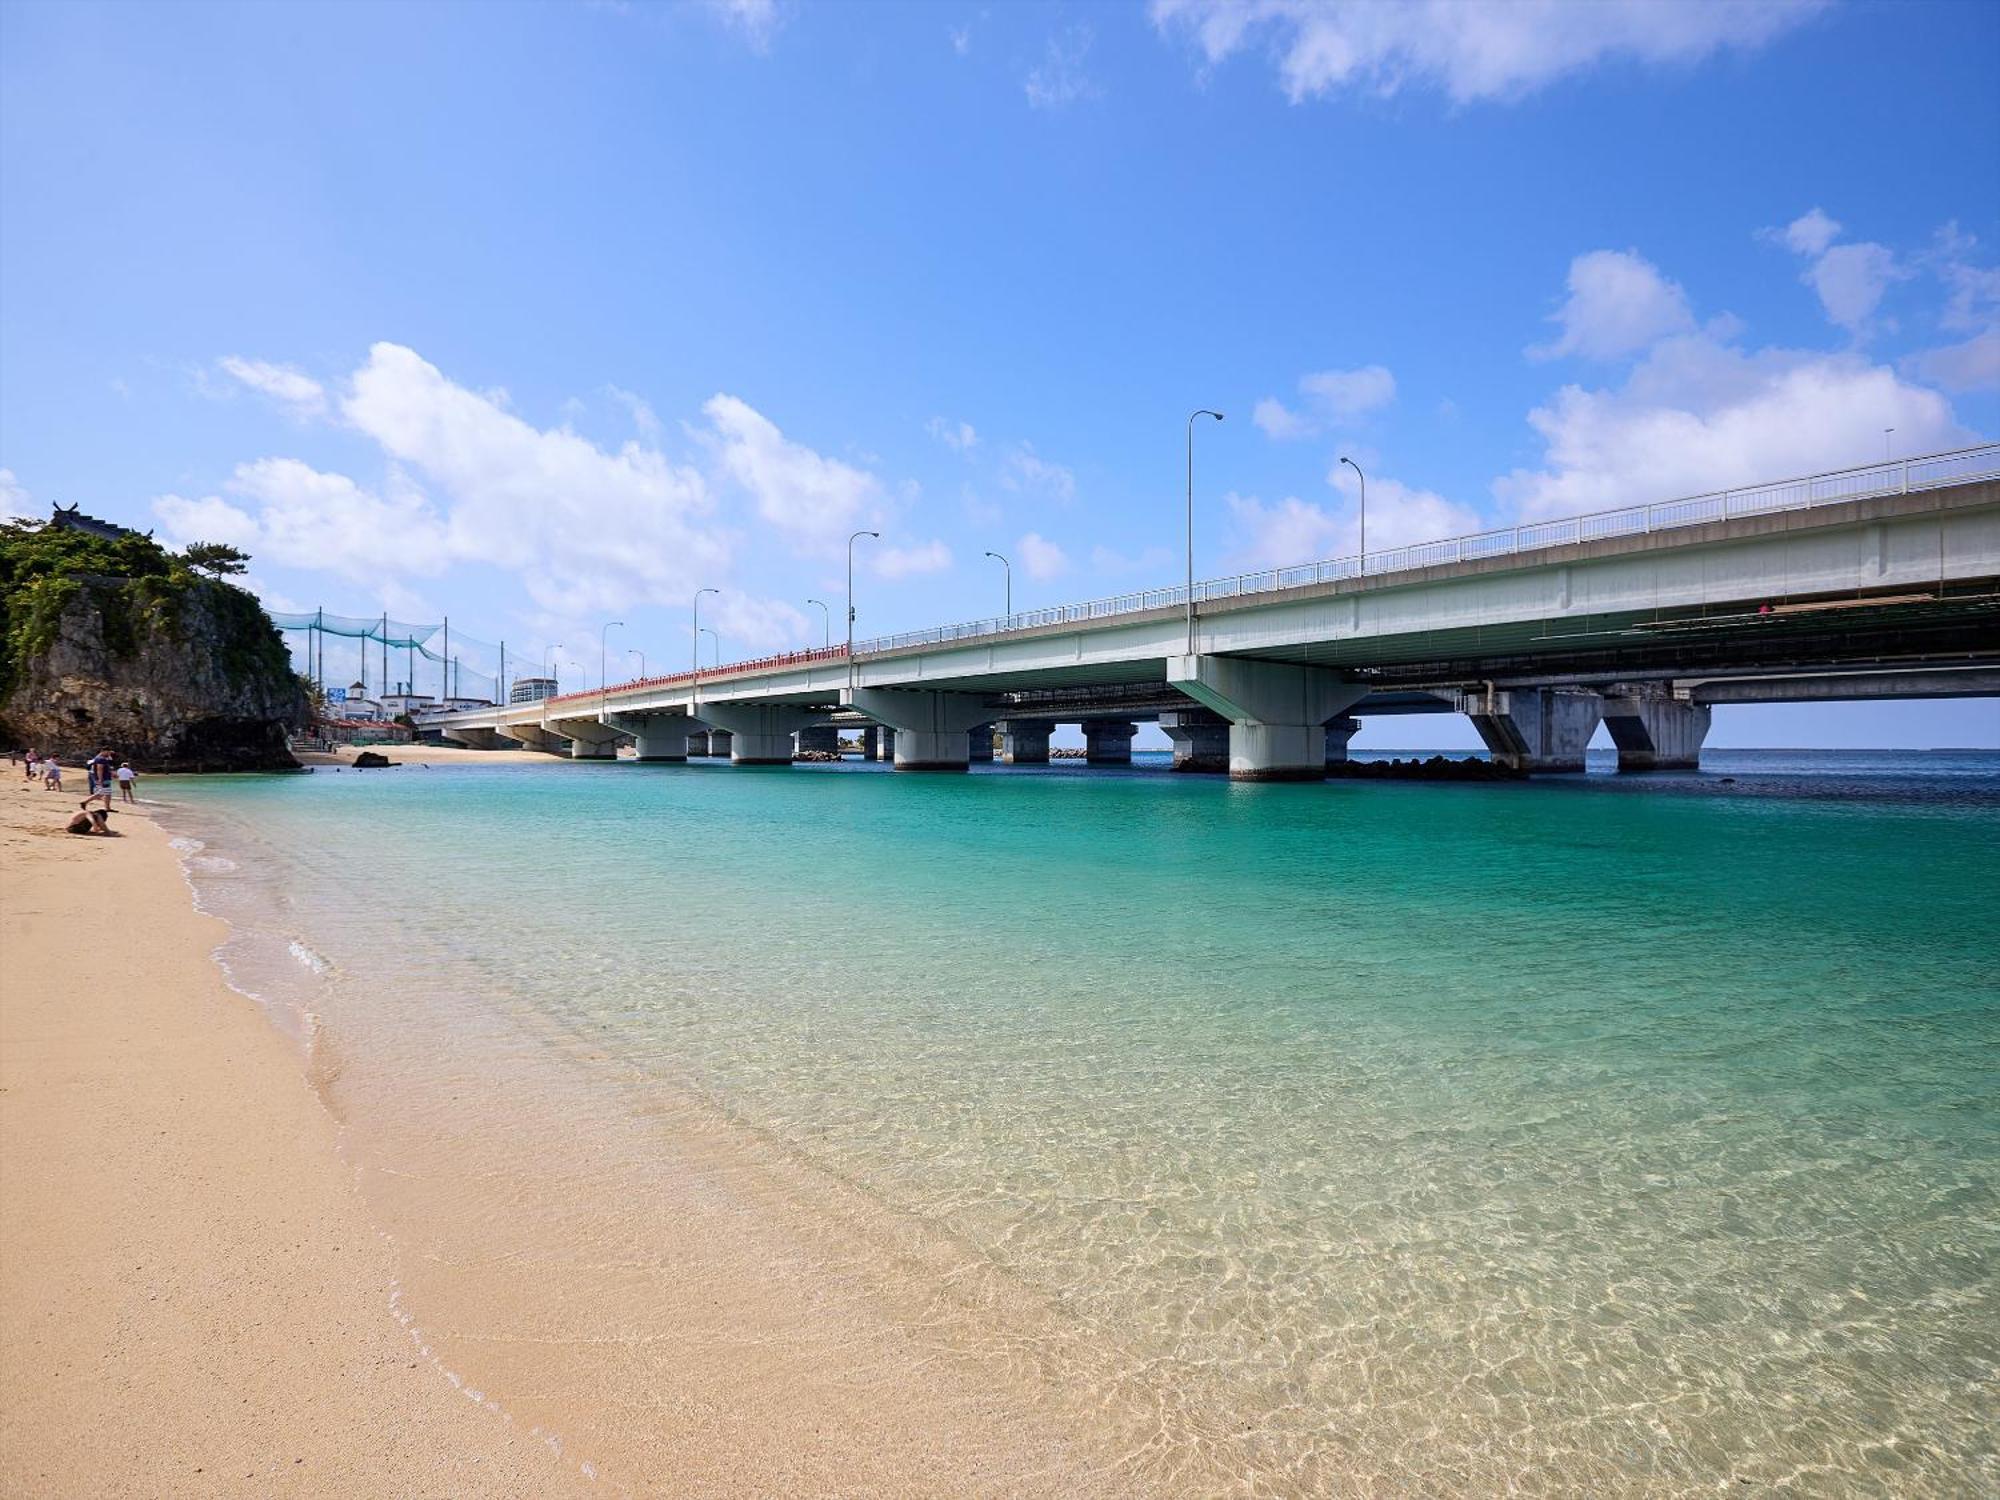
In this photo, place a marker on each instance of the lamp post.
(1364, 508)
(1887, 433)
(718, 645)
(850, 598)
(1203, 412)
(603, 676)
(697, 637)
(1010, 584)
(634, 651)
(826, 621)
(549, 670)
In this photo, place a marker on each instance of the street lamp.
(1886, 434)
(850, 598)
(603, 677)
(826, 621)
(718, 645)
(1364, 508)
(635, 651)
(697, 633)
(1203, 412)
(1010, 584)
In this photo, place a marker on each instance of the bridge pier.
(1655, 731)
(1338, 733)
(720, 743)
(818, 737)
(1201, 739)
(760, 734)
(885, 742)
(471, 739)
(931, 730)
(1024, 742)
(535, 737)
(1277, 712)
(871, 741)
(1535, 729)
(979, 743)
(1108, 742)
(655, 737)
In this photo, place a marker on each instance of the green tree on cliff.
(215, 558)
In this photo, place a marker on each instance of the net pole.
(446, 653)
(385, 651)
(500, 687)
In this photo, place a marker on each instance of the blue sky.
(543, 314)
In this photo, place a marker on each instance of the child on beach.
(125, 780)
(31, 763)
(87, 820)
(52, 776)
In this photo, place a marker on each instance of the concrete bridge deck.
(1875, 582)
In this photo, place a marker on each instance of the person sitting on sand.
(125, 780)
(83, 820)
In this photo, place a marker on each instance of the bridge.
(1877, 582)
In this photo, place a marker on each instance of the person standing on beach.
(125, 780)
(32, 762)
(52, 775)
(101, 765)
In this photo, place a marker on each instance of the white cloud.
(644, 419)
(1810, 233)
(961, 39)
(956, 435)
(1618, 302)
(1042, 558)
(1329, 397)
(1699, 414)
(1293, 531)
(1970, 366)
(1280, 421)
(1972, 307)
(1029, 472)
(758, 21)
(1851, 279)
(291, 388)
(1472, 52)
(1059, 80)
(903, 562)
(750, 625)
(814, 500)
(14, 499)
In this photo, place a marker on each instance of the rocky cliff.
(173, 671)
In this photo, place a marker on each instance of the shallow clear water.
(1631, 1134)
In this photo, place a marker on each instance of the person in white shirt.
(125, 780)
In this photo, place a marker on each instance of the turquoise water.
(1632, 1135)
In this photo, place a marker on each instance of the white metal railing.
(1899, 477)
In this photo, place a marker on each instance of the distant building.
(354, 705)
(405, 703)
(74, 519)
(532, 689)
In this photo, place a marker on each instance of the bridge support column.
(931, 729)
(871, 741)
(1024, 742)
(656, 737)
(1201, 739)
(821, 738)
(885, 742)
(471, 739)
(1655, 731)
(1338, 733)
(534, 737)
(1277, 712)
(1535, 729)
(979, 743)
(1108, 742)
(720, 743)
(760, 734)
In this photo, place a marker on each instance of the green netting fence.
(384, 655)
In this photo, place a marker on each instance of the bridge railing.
(1900, 476)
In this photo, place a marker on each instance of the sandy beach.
(427, 755)
(196, 1299)
(192, 1300)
